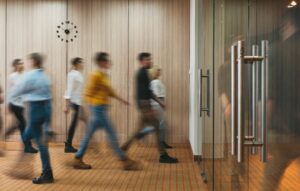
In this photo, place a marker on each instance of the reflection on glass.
(284, 100)
(254, 21)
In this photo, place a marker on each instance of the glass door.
(256, 106)
(279, 23)
(205, 76)
(231, 42)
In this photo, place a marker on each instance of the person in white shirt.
(73, 99)
(16, 106)
(159, 90)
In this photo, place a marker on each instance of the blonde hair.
(153, 71)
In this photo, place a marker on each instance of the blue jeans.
(38, 115)
(48, 119)
(100, 120)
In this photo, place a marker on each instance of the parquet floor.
(16, 175)
(280, 173)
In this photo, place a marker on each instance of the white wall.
(194, 120)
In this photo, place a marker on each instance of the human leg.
(94, 122)
(37, 118)
(68, 144)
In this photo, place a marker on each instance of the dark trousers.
(74, 122)
(38, 113)
(148, 117)
(18, 112)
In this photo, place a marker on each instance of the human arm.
(155, 90)
(117, 97)
(69, 92)
(91, 87)
(158, 89)
(112, 92)
(21, 88)
(155, 98)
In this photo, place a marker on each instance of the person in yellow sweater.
(97, 94)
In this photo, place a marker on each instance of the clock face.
(67, 31)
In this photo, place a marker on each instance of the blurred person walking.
(159, 90)
(148, 116)
(16, 106)
(97, 94)
(73, 100)
(35, 90)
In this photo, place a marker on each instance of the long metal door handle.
(240, 120)
(255, 49)
(207, 108)
(233, 100)
(239, 140)
(208, 93)
(264, 64)
(200, 88)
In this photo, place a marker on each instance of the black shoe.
(141, 135)
(69, 148)
(165, 158)
(51, 135)
(167, 146)
(45, 178)
(124, 148)
(30, 149)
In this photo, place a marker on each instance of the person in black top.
(148, 116)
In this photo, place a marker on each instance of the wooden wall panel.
(31, 27)
(103, 26)
(2, 56)
(121, 28)
(162, 28)
(81, 47)
(110, 34)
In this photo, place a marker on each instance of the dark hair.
(143, 55)
(16, 62)
(37, 58)
(101, 57)
(76, 61)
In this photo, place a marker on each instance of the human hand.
(126, 102)
(66, 110)
(163, 106)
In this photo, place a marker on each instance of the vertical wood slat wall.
(2, 54)
(121, 28)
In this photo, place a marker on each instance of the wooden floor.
(106, 173)
(280, 173)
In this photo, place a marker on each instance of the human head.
(102, 60)
(17, 64)
(155, 72)
(36, 60)
(77, 63)
(145, 60)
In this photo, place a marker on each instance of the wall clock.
(67, 31)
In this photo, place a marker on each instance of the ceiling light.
(293, 3)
